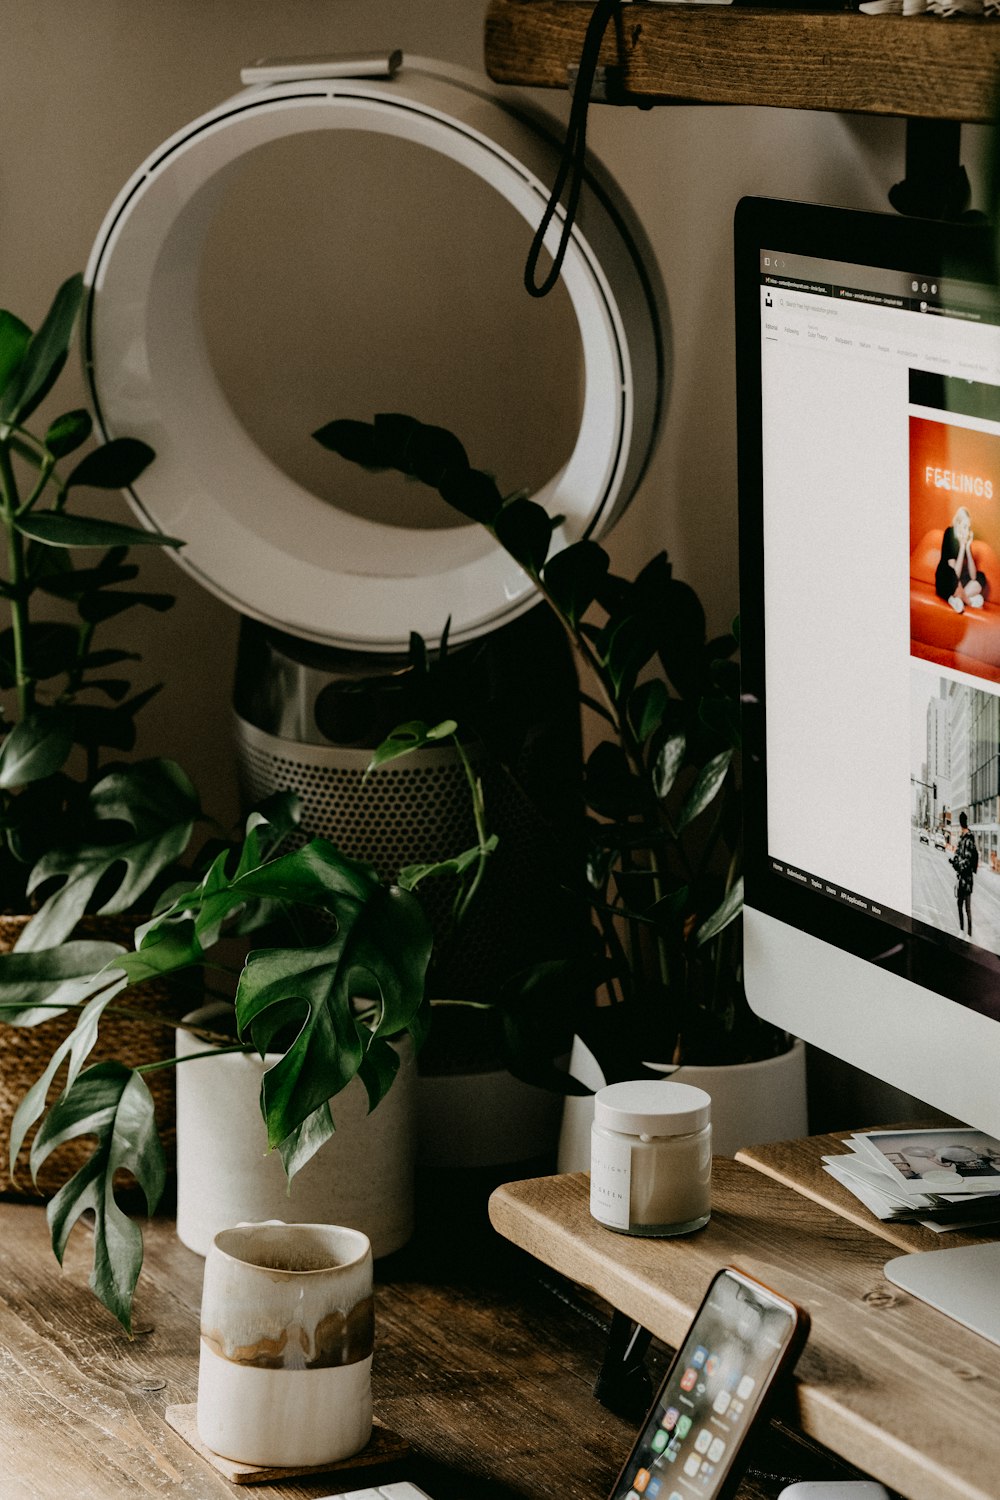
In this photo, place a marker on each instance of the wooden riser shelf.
(918, 67)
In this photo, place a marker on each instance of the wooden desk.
(483, 1361)
(897, 1388)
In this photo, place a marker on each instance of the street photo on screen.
(955, 807)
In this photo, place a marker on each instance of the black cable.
(572, 163)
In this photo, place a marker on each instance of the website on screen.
(881, 481)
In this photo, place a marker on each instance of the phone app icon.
(733, 1378)
(640, 1481)
(683, 1426)
(669, 1418)
(711, 1365)
(716, 1450)
(675, 1495)
(721, 1402)
(688, 1378)
(698, 1357)
(699, 1389)
(693, 1465)
(703, 1441)
(659, 1440)
(745, 1387)
(653, 1488)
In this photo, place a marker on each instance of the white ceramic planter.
(751, 1103)
(361, 1178)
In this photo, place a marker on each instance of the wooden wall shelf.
(918, 67)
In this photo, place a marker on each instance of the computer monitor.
(869, 430)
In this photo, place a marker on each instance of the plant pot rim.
(797, 1046)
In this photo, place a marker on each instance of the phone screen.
(712, 1392)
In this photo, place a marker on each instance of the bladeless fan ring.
(253, 536)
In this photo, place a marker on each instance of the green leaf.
(609, 786)
(113, 466)
(405, 738)
(380, 951)
(157, 805)
(44, 356)
(354, 441)
(35, 748)
(525, 530)
(111, 1102)
(625, 646)
(574, 576)
(58, 530)
(426, 453)
(669, 909)
(305, 1140)
(15, 337)
(67, 432)
(646, 708)
(34, 987)
(430, 454)
(472, 493)
(667, 764)
(78, 1047)
(730, 907)
(706, 788)
(410, 876)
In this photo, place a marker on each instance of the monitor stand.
(964, 1283)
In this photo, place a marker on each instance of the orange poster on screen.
(955, 547)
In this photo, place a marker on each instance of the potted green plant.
(64, 701)
(71, 815)
(661, 794)
(329, 1002)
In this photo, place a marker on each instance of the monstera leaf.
(377, 958)
(156, 806)
(112, 1103)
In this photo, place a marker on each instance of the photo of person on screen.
(966, 863)
(957, 578)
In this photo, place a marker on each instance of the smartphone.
(742, 1339)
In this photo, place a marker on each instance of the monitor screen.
(869, 411)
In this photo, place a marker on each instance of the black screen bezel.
(930, 958)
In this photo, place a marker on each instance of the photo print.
(955, 547)
(955, 807)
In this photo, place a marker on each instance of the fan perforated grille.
(414, 811)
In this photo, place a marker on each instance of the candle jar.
(651, 1157)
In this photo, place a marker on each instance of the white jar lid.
(652, 1106)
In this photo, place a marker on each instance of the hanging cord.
(572, 162)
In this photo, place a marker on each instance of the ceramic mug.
(287, 1328)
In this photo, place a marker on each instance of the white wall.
(87, 90)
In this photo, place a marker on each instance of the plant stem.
(18, 595)
(171, 1062)
(479, 814)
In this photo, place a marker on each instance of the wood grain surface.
(900, 1390)
(723, 54)
(484, 1363)
(799, 1165)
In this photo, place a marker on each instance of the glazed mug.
(287, 1329)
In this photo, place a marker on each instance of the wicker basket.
(25, 1052)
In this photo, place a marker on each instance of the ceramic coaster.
(385, 1447)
